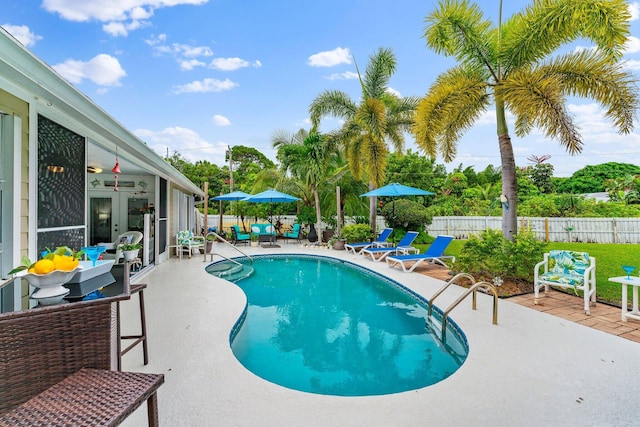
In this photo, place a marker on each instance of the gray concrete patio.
(532, 369)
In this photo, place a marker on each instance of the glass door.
(136, 208)
(104, 219)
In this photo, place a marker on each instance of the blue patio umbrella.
(271, 196)
(234, 196)
(395, 190)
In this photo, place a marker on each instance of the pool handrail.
(222, 239)
(471, 290)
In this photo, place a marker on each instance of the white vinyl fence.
(588, 230)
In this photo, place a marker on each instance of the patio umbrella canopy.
(271, 196)
(234, 196)
(395, 190)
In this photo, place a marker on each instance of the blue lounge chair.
(404, 246)
(293, 234)
(381, 241)
(238, 236)
(434, 254)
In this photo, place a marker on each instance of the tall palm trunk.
(373, 208)
(316, 199)
(509, 177)
(509, 188)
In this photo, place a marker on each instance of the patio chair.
(567, 269)
(433, 255)
(380, 242)
(187, 241)
(238, 236)
(293, 234)
(403, 247)
(114, 249)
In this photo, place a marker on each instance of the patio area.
(533, 368)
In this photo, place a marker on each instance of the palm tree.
(306, 156)
(513, 67)
(381, 116)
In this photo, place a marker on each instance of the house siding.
(17, 107)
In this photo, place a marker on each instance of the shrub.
(492, 255)
(356, 233)
(406, 214)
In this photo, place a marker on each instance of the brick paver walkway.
(603, 317)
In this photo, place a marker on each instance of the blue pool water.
(326, 326)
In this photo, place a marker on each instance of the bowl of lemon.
(50, 273)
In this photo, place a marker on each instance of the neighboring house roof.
(21, 71)
(599, 197)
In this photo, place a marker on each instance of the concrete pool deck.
(531, 369)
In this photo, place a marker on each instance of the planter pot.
(254, 244)
(130, 255)
(209, 246)
(313, 235)
(338, 245)
(326, 235)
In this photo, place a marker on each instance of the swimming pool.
(327, 326)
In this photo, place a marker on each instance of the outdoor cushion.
(567, 269)
(263, 229)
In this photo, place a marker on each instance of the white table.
(635, 283)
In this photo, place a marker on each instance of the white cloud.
(393, 92)
(130, 14)
(634, 10)
(206, 85)
(182, 50)
(154, 40)
(187, 142)
(219, 120)
(231, 64)
(122, 29)
(632, 45)
(330, 58)
(186, 55)
(632, 64)
(190, 64)
(23, 34)
(347, 75)
(102, 69)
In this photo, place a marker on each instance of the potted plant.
(337, 242)
(130, 251)
(209, 239)
(254, 240)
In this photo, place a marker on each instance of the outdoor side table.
(634, 282)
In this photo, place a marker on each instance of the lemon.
(65, 262)
(44, 266)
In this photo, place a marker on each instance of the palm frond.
(331, 102)
(458, 29)
(453, 103)
(381, 66)
(538, 100)
(590, 74)
(543, 27)
(375, 151)
(372, 116)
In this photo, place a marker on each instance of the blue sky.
(195, 76)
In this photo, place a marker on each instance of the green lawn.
(609, 259)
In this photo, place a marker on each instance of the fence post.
(546, 229)
(615, 230)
